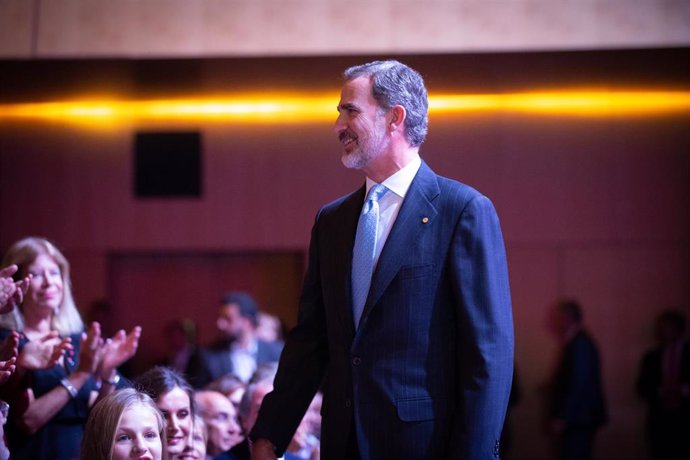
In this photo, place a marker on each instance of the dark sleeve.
(485, 331)
(302, 363)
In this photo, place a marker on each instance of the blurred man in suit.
(577, 406)
(664, 383)
(405, 309)
(237, 351)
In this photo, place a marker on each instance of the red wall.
(592, 208)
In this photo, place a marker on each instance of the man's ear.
(397, 117)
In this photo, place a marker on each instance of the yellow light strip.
(309, 108)
(574, 103)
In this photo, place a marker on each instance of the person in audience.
(260, 384)
(231, 386)
(51, 394)
(180, 343)
(313, 416)
(175, 399)
(577, 406)
(223, 427)
(237, 349)
(305, 444)
(125, 424)
(195, 448)
(269, 328)
(664, 384)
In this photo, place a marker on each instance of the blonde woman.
(125, 424)
(51, 394)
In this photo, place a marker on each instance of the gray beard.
(354, 160)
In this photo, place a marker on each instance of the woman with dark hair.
(51, 394)
(175, 399)
(125, 424)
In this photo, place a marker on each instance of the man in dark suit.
(419, 366)
(237, 350)
(577, 408)
(664, 383)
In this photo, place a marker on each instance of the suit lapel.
(416, 206)
(345, 242)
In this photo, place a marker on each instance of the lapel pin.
(425, 220)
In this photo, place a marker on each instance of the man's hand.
(262, 449)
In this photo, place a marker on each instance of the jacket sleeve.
(485, 331)
(302, 363)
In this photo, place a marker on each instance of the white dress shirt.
(389, 205)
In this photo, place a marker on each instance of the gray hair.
(394, 83)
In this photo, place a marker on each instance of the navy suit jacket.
(427, 373)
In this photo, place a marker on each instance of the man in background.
(220, 416)
(664, 384)
(237, 350)
(577, 406)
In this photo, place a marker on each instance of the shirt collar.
(399, 183)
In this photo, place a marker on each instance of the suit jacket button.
(356, 360)
(348, 403)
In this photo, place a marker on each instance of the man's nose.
(339, 124)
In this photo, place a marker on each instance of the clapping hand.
(8, 347)
(11, 292)
(6, 369)
(91, 349)
(8, 356)
(45, 352)
(117, 350)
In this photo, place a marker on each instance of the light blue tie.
(365, 250)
